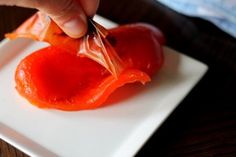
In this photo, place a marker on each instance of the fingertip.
(75, 27)
(68, 15)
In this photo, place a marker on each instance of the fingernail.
(75, 27)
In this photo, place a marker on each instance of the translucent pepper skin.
(56, 77)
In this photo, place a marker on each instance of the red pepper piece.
(56, 77)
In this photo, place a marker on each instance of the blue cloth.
(222, 13)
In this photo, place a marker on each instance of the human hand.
(70, 15)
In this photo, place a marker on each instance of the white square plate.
(119, 129)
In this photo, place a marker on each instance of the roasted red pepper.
(56, 77)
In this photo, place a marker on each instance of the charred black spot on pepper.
(112, 40)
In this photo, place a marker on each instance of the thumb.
(68, 14)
